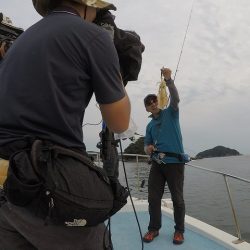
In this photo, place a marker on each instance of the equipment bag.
(62, 186)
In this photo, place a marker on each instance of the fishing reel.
(158, 158)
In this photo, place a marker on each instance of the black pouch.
(22, 184)
(62, 186)
(120, 195)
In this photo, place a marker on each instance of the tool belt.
(62, 186)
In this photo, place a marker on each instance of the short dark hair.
(54, 4)
(149, 98)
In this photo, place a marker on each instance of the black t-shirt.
(49, 75)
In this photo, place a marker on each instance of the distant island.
(218, 151)
(137, 147)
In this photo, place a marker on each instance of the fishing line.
(92, 124)
(190, 150)
(139, 134)
(126, 179)
(183, 43)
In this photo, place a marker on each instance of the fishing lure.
(162, 96)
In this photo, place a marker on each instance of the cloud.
(213, 75)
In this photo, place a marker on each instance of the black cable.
(126, 179)
(110, 241)
(108, 228)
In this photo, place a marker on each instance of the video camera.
(8, 32)
(127, 43)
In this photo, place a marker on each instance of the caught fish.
(162, 96)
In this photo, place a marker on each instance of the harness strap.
(171, 154)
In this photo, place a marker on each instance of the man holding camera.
(48, 78)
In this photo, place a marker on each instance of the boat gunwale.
(210, 232)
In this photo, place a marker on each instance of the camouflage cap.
(43, 6)
(5, 20)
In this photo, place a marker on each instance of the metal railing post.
(233, 210)
(239, 240)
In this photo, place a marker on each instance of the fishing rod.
(163, 97)
(178, 62)
(93, 124)
(184, 40)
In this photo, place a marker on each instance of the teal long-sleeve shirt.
(164, 131)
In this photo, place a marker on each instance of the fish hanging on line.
(162, 96)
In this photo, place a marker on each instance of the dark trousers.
(19, 230)
(173, 175)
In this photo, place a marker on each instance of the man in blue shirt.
(163, 141)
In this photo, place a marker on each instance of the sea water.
(205, 193)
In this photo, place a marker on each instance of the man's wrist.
(168, 81)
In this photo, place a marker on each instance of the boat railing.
(225, 176)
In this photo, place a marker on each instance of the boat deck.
(198, 235)
(126, 236)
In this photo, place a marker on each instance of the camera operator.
(63, 60)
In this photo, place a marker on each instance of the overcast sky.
(213, 77)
